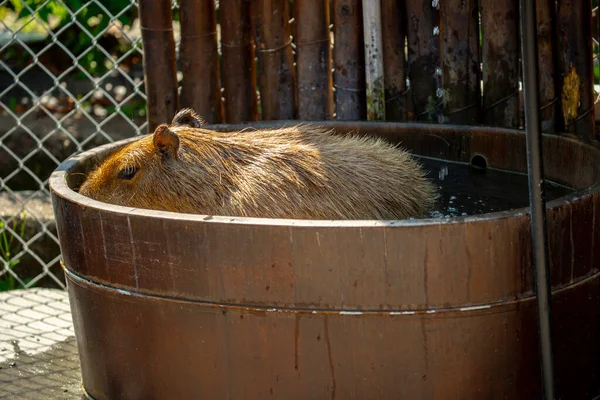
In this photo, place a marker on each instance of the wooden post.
(460, 61)
(393, 26)
(160, 73)
(594, 63)
(546, 20)
(276, 75)
(373, 59)
(239, 75)
(575, 67)
(313, 59)
(500, 54)
(201, 84)
(424, 60)
(348, 57)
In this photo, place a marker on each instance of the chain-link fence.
(71, 78)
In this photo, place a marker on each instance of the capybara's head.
(143, 173)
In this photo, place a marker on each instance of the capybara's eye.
(128, 172)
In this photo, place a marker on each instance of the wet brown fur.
(301, 172)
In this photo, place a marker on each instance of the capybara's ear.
(165, 141)
(187, 116)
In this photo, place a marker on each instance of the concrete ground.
(38, 352)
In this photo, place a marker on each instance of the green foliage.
(132, 109)
(93, 19)
(12, 104)
(7, 281)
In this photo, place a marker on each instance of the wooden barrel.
(170, 305)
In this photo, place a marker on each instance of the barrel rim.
(59, 187)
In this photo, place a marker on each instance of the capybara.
(300, 172)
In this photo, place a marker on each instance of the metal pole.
(536, 194)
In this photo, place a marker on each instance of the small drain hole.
(478, 161)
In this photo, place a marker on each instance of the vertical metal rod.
(536, 194)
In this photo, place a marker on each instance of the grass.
(7, 246)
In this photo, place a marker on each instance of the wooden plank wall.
(451, 61)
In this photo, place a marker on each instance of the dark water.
(468, 191)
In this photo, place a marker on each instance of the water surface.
(468, 191)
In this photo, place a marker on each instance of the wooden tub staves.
(183, 306)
